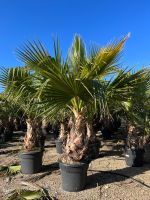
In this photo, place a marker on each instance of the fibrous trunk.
(134, 140)
(44, 127)
(16, 124)
(77, 140)
(33, 135)
(62, 131)
(8, 126)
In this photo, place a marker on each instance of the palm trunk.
(134, 140)
(17, 124)
(9, 126)
(62, 131)
(77, 140)
(90, 133)
(32, 137)
(44, 127)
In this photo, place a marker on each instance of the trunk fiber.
(33, 135)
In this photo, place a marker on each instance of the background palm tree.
(20, 90)
(139, 114)
(7, 114)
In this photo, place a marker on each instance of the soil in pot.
(134, 157)
(59, 144)
(73, 176)
(31, 162)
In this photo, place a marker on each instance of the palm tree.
(7, 114)
(139, 115)
(20, 90)
(83, 84)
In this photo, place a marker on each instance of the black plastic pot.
(3, 137)
(42, 142)
(94, 149)
(31, 162)
(147, 153)
(107, 133)
(134, 157)
(73, 176)
(8, 137)
(8, 134)
(59, 144)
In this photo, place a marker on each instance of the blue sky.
(98, 21)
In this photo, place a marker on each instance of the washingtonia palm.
(20, 90)
(82, 84)
(7, 114)
(139, 115)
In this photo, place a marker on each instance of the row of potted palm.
(20, 90)
(8, 112)
(83, 84)
(138, 140)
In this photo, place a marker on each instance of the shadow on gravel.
(51, 167)
(9, 152)
(46, 170)
(110, 153)
(105, 177)
(6, 145)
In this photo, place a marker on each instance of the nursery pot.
(73, 176)
(147, 153)
(3, 137)
(31, 162)
(94, 146)
(8, 134)
(106, 133)
(59, 144)
(42, 142)
(134, 157)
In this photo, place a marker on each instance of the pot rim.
(30, 152)
(75, 165)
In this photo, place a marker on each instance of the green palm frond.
(26, 195)
(7, 108)
(20, 89)
(77, 55)
(33, 53)
(36, 57)
(103, 61)
(57, 51)
(10, 170)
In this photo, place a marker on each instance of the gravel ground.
(108, 176)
